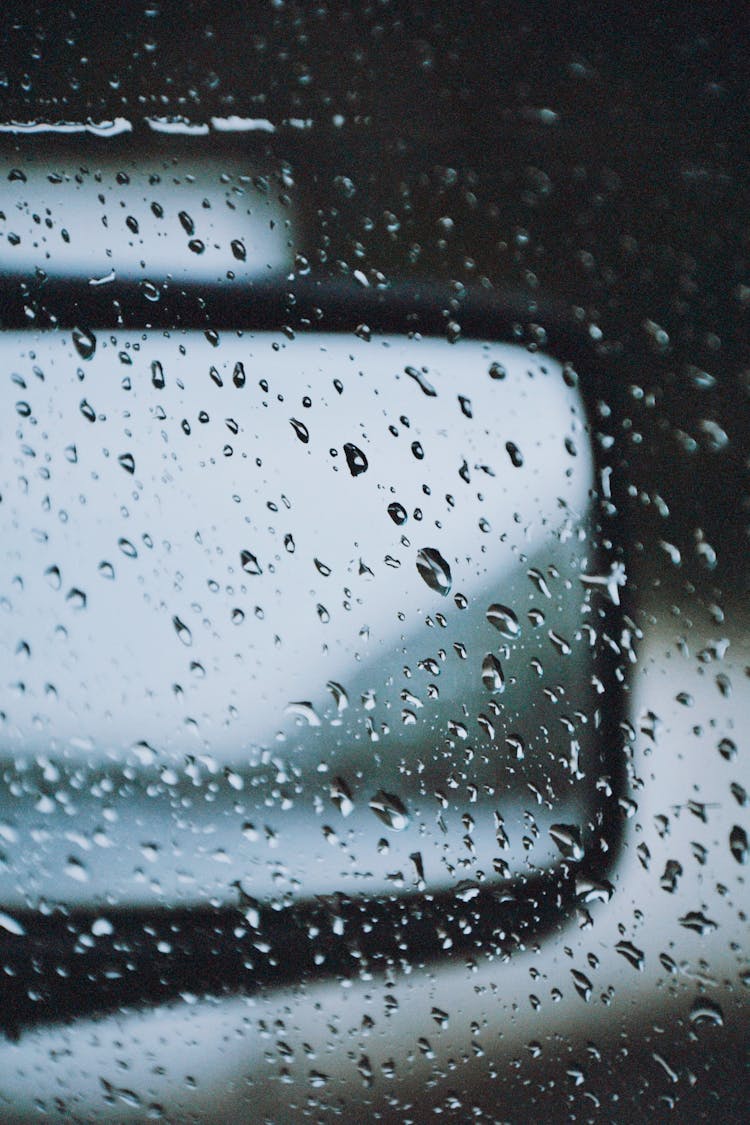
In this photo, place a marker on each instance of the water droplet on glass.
(355, 459)
(302, 709)
(340, 698)
(631, 953)
(10, 925)
(85, 342)
(706, 1011)
(157, 375)
(182, 631)
(127, 461)
(697, 920)
(516, 457)
(390, 810)
(421, 380)
(341, 796)
(567, 837)
(504, 620)
(238, 249)
(738, 844)
(397, 512)
(434, 570)
(492, 673)
(53, 576)
(515, 743)
(300, 430)
(583, 985)
(249, 563)
(76, 598)
(74, 869)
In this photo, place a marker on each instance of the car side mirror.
(313, 654)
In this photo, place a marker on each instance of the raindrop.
(559, 642)
(74, 869)
(497, 371)
(515, 454)
(127, 461)
(340, 698)
(10, 925)
(52, 574)
(738, 843)
(567, 837)
(504, 620)
(492, 673)
(434, 570)
(85, 342)
(390, 810)
(355, 459)
(304, 710)
(696, 920)
(249, 563)
(238, 249)
(583, 985)
(341, 796)
(515, 743)
(631, 953)
(182, 631)
(397, 512)
(238, 376)
(157, 375)
(728, 749)
(300, 430)
(420, 379)
(706, 1011)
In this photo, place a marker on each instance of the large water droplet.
(304, 710)
(341, 796)
(127, 461)
(434, 570)
(504, 620)
(706, 1011)
(388, 808)
(421, 380)
(85, 342)
(583, 985)
(341, 699)
(249, 563)
(568, 840)
(300, 430)
(157, 375)
(697, 920)
(355, 459)
(492, 673)
(631, 953)
(738, 843)
(182, 631)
